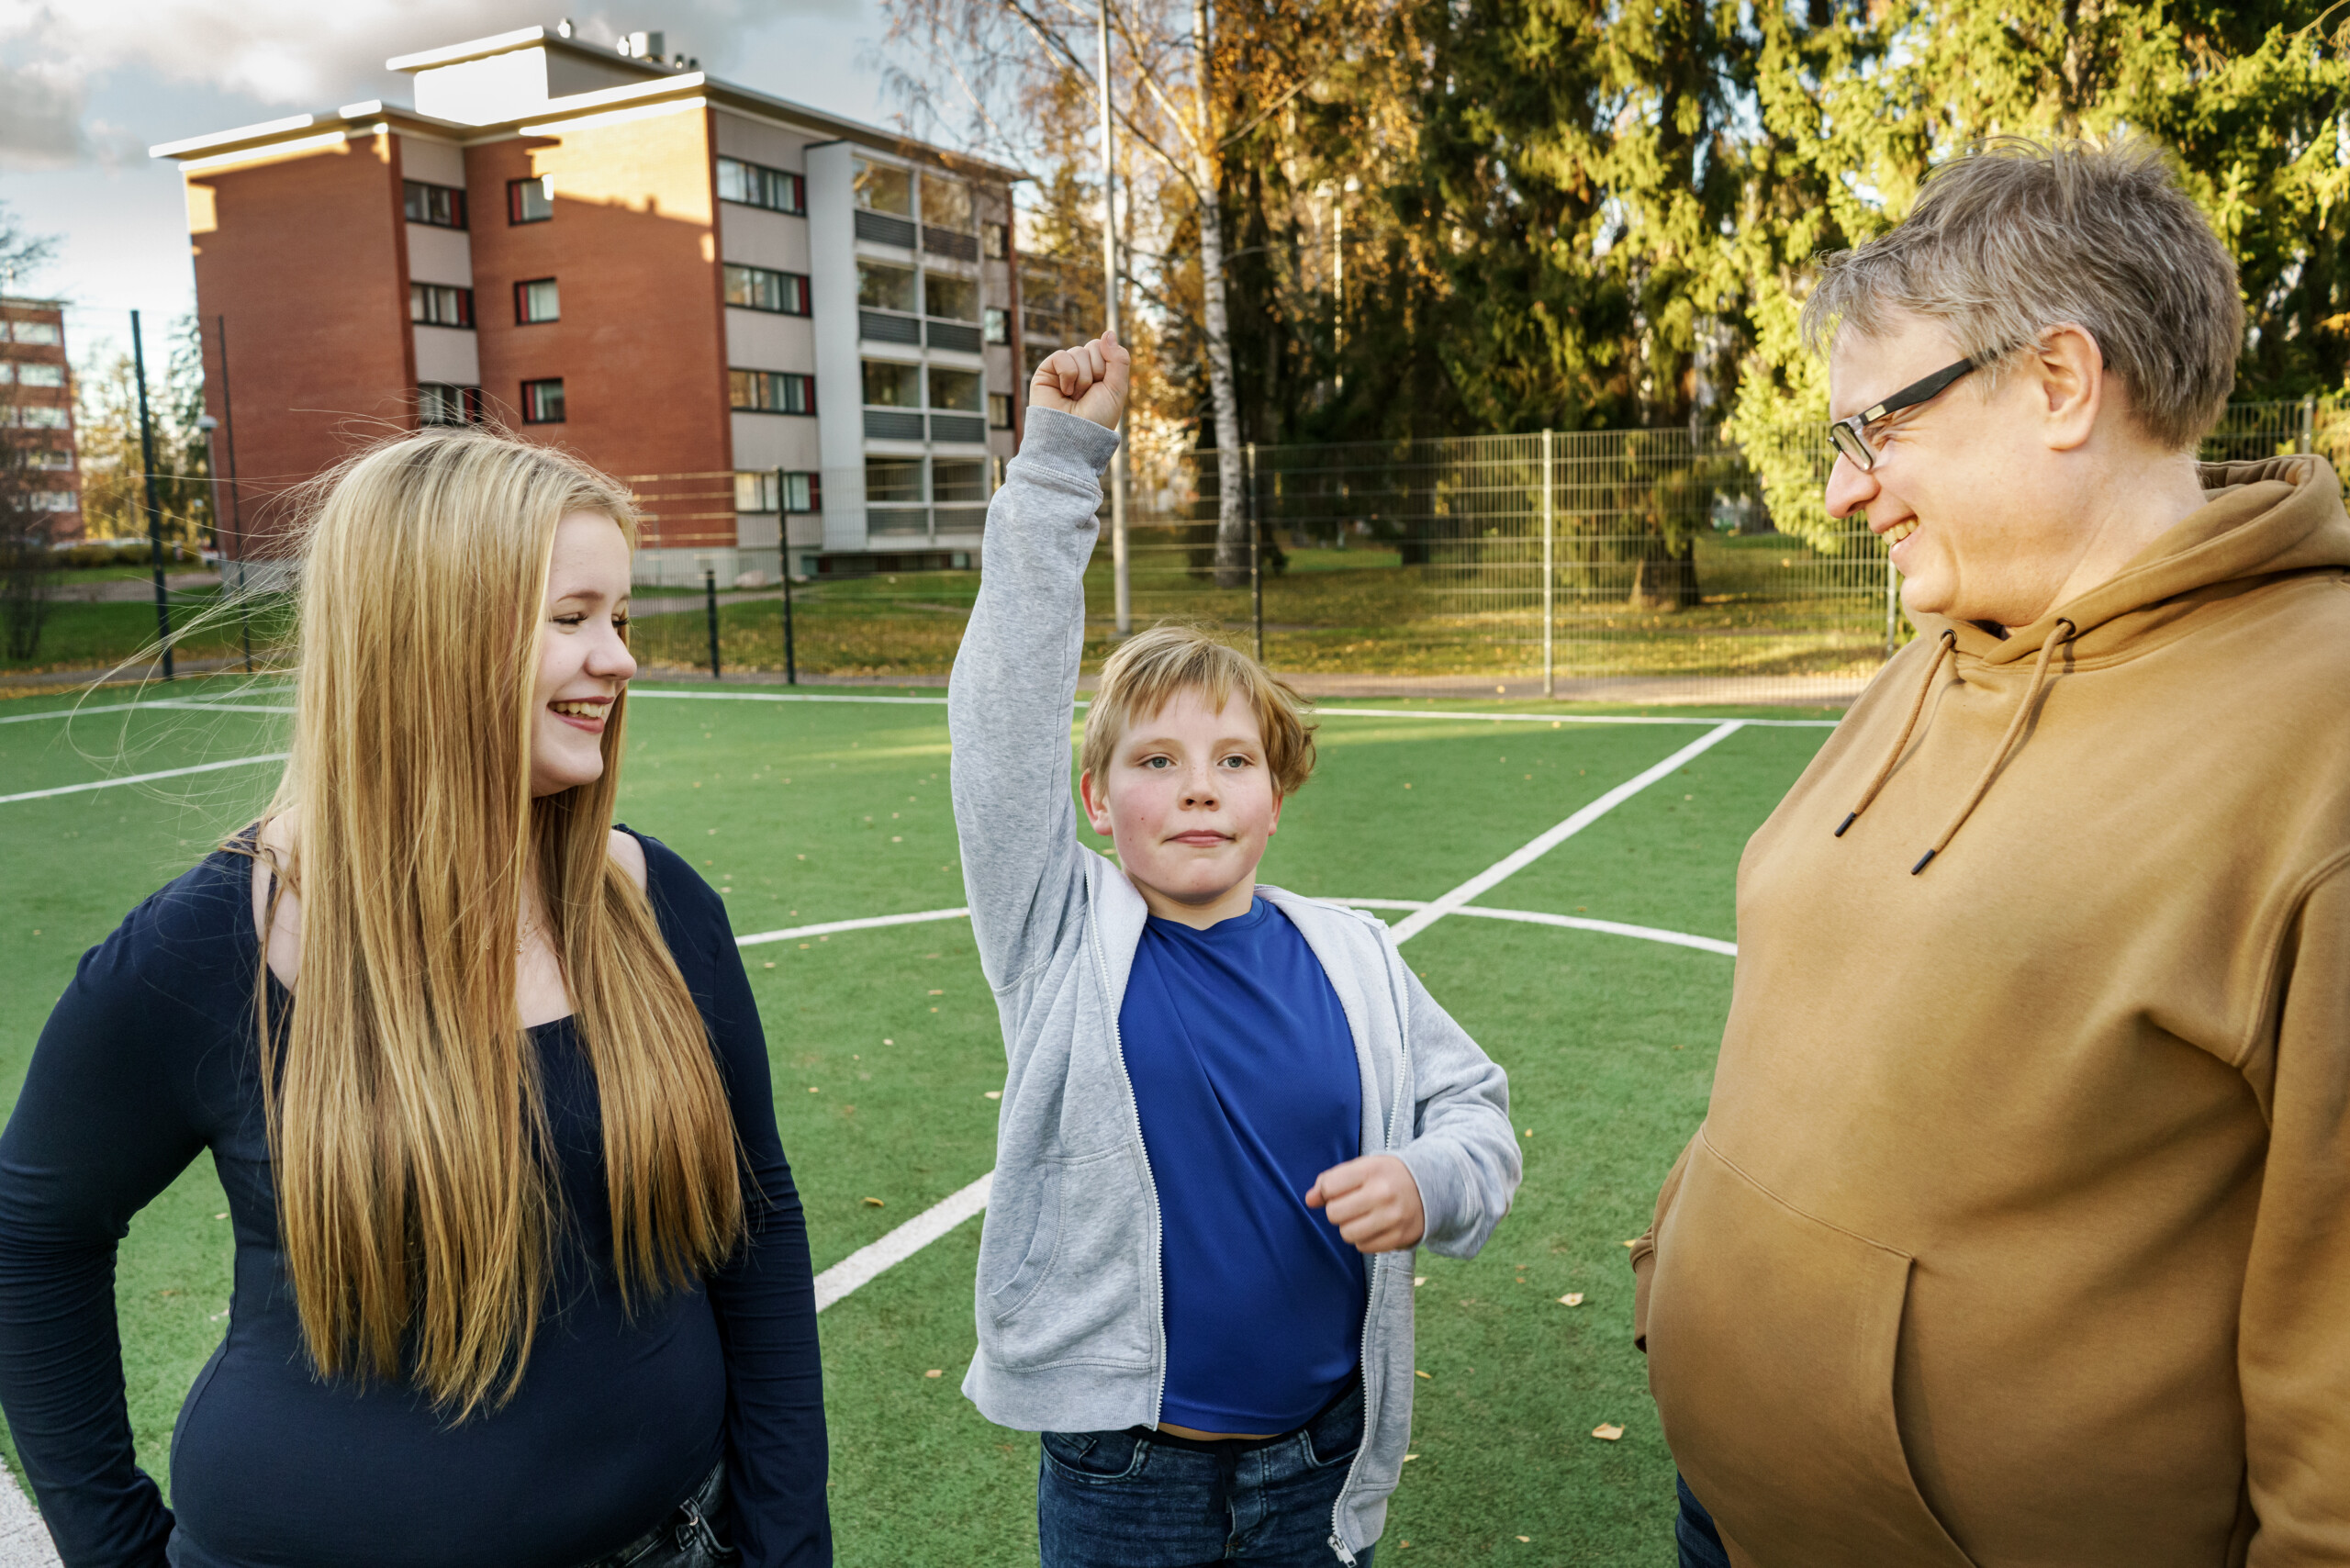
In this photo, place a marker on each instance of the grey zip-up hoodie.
(1071, 1335)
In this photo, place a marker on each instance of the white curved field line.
(867, 1263)
(141, 778)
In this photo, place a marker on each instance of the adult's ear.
(2065, 371)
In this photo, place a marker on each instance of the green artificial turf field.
(884, 1043)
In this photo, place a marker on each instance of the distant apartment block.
(37, 410)
(788, 333)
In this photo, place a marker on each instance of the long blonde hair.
(407, 1131)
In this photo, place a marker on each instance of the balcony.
(884, 229)
(881, 327)
(954, 335)
(967, 427)
(946, 242)
(892, 424)
(961, 519)
(896, 521)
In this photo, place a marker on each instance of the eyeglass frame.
(1845, 434)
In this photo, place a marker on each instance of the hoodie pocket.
(1772, 1341)
(1077, 1294)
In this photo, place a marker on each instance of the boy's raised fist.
(1089, 381)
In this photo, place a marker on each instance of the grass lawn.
(811, 811)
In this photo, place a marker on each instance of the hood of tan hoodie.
(2014, 1232)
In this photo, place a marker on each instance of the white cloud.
(300, 53)
(41, 118)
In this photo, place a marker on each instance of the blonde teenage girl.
(520, 1275)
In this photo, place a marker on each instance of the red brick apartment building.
(788, 332)
(36, 408)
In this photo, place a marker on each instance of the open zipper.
(1149, 1182)
(1371, 1304)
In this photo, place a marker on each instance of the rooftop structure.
(768, 320)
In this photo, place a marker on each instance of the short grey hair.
(2013, 237)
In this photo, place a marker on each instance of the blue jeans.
(1694, 1532)
(1142, 1499)
(695, 1535)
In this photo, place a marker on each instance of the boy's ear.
(1097, 802)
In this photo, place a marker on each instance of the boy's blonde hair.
(1150, 669)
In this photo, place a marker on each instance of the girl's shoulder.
(189, 947)
(686, 905)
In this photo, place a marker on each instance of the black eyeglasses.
(1846, 432)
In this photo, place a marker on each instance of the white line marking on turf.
(24, 1539)
(867, 1263)
(1569, 922)
(143, 777)
(1412, 924)
(782, 697)
(1568, 718)
(869, 923)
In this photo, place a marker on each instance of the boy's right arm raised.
(1010, 701)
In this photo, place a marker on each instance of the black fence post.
(710, 600)
(783, 540)
(1256, 553)
(154, 512)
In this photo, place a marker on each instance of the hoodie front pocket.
(1771, 1340)
(1077, 1294)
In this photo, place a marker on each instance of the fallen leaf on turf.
(1607, 1431)
(220, 1216)
(770, 965)
(935, 1371)
(1417, 1373)
(891, 1042)
(1526, 1538)
(1573, 1298)
(813, 1090)
(1418, 1280)
(875, 1203)
(939, 994)
(995, 1093)
(1410, 1457)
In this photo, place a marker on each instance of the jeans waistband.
(697, 1506)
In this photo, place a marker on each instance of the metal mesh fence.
(1621, 565)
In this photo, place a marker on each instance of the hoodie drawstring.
(1948, 641)
(2065, 633)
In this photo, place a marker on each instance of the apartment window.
(995, 241)
(39, 375)
(998, 325)
(959, 481)
(53, 458)
(893, 480)
(536, 301)
(53, 501)
(961, 390)
(771, 391)
(756, 288)
(882, 187)
(881, 287)
(757, 492)
(892, 385)
(955, 298)
(530, 201)
(443, 207)
(45, 419)
(946, 204)
(543, 402)
(38, 333)
(999, 410)
(778, 190)
(438, 304)
(439, 403)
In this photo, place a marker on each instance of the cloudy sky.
(87, 87)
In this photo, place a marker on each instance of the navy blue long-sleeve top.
(151, 1056)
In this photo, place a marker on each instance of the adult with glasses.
(2015, 1232)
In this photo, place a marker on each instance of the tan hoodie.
(2018, 1232)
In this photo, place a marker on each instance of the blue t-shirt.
(1245, 1076)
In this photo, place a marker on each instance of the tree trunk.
(1224, 394)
